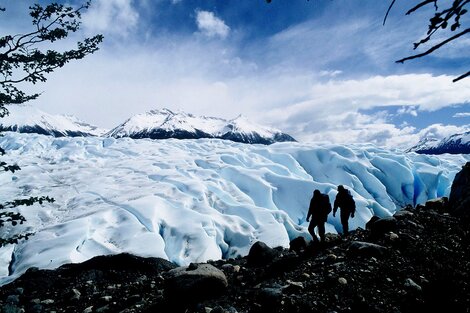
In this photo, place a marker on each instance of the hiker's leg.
(321, 231)
(311, 230)
(344, 222)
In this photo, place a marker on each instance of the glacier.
(194, 200)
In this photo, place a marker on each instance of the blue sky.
(320, 70)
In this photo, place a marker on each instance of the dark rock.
(103, 309)
(283, 264)
(92, 274)
(260, 254)
(459, 199)
(11, 308)
(192, 266)
(332, 238)
(402, 214)
(382, 225)
(37, 308)
(230, 268)
(122, 261)
(218, 309)
(74, 295)
(298, 244)
(361, 305)
(198, 282)
(133, 299)
(292, 287)
(269, 296)
(13, 299)
(440, 205)
(411, 285)
(372, 220)
(366, 249)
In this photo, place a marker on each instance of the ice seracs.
(28, 119)
(194, 200)
(164, 124)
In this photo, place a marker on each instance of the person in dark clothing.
(319, 209)
(345, 202)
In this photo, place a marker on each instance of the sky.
(320, 70)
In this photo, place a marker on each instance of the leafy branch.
(22, 61)
(446, 18)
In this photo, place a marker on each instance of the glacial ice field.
(194, 200)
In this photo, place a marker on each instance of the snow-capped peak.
(164, 123)
(242, 124)
(424, 144)
(455, 144)
(28, 119)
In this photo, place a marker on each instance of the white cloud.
(112, 17)
(329, 112)
(210, 25)
(411, 110)
(330, 73)
(337, 96)
(462, 114)
(353, 127)
(440, 131)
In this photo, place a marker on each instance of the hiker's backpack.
(349, 201)
(326, 204)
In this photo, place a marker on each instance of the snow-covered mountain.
(455, 144)
(28, 119)
(163, 124)
(190, 201)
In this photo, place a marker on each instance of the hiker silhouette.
(345, 202)
(319, 209)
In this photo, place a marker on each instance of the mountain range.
(454, 144)
(155, 124)
(163, 124)
(28, 119)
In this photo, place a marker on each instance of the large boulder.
(381, 226)
(122, 261)
(195, 282)
(440, 205)
(260, 254)
(459, 199)
(366, 249)
(298, 244)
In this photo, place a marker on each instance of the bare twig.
(435, 47)
(461, 77)
(388, 11)
(421, 4)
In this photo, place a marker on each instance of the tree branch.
(422, 4)
(388, 11)
(434, 48)
(461, 77)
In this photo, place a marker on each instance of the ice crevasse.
(194, 200)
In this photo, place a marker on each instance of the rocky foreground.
(416, 261)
